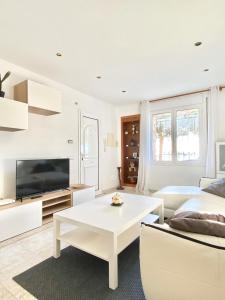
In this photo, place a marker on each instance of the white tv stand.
(19, 217)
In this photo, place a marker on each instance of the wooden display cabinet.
(130, 138)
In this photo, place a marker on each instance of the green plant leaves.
(7, 74)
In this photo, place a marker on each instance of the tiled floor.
(20, 254)
(23, 252)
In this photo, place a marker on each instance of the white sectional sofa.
(177, 265)
(175, 196)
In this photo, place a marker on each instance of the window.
(187, 137)
(176, 135)
(162, 137)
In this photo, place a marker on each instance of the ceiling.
(145, 47)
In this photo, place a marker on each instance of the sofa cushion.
(175, 196)
(196, 222)
(216, 188)
(205, 202)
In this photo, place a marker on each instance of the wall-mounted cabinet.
(40, 98)
(13, 115)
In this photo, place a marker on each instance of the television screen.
(35, 177)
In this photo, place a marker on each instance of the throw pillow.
(216, 188)
(202, 223)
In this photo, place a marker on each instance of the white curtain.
(145, 154)
(211, 110)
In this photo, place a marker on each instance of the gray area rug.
(77, 275)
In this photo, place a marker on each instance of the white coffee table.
(103, 230)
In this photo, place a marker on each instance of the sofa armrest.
(174, 266)
(206, 181)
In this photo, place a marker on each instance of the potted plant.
(2, 79)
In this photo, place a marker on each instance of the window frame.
(202, 136)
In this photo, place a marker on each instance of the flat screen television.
(35, 177)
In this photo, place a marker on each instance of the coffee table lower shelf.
(99, 244)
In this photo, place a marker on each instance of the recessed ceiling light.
(98, 77)
(198, 44)
(124, 91)
(206, 70)
(59, 54)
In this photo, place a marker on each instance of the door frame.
(87, 115)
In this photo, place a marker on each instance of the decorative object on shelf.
(127, 146)
(133, 129)
(120, 181)
(133, 143)
(117, 200)
(2, 79)
(126, 132)
(132, 167)
(135, 155)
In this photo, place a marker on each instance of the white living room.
(112, 150)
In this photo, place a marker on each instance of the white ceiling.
(144, 47)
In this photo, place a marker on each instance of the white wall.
(163, 175)
(47, 135)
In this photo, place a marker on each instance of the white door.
(89, 151)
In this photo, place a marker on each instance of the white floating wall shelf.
(13, 115)
(41, 99)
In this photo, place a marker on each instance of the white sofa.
(175, 268)
(177, 265)
(175, 196)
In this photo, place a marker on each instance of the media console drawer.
(19, 219)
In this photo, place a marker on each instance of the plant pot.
(2, 94)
